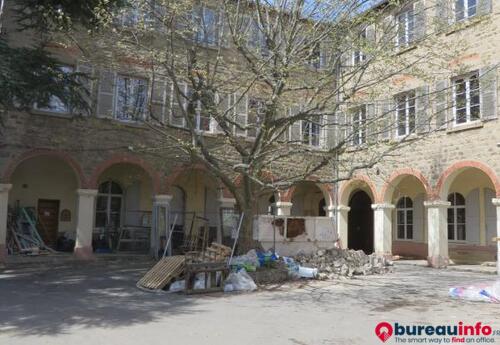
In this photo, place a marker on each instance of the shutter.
(158, 100)
(371, 123)
(442, 104)
(420, 20)
(444, 14)
(106, 94)
(87, 86)
(330, 130)
(488, 85)
(389, 33)
(295, 128)
(387, 118)
(422, 116)
(484, 7)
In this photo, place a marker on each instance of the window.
(406, 27)
(405, 113)
(404, 210)
(316, 58)
(359, 56)
(131, 15)
(240, 110)
(131, 95)
(256, 37)
(466, 99)
(310, 133)
(56, 105)
(256, 113)
(206, 30)
(465, 9)
(456, 217)
(108, 205)
(359, 126)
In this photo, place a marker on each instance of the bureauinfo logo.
(452, 333)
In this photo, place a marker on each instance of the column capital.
(162, 199)
(343, 208)
(496, 201)
(437, 204)
(383, 207)
(5, 187)
(87, 192)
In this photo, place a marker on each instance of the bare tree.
(267, 94)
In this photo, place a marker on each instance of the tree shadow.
(43, 301)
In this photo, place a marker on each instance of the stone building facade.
(437, 199)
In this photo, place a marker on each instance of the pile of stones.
(334, 263)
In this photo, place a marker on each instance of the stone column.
(382, 217)
(85, 223)
(343, 225)
(283, 208)
(437, 230)
(496, 202)
(161, 221)
(4, 209)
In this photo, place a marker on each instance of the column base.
(438, 261)
(84, 253)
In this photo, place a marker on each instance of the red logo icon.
(384, 331)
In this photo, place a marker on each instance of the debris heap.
(334, 263)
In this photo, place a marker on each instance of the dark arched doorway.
(360, 235)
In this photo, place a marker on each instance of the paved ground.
(99, 304)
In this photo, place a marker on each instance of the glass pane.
(114, 219)
(102, 203)
(104, 187)
(116, 203)
(401, 217)
(461, 115)
(451, 232)
(401, 231)
(459, 199)
(461, 232)
(409, 203)
(100, 219)
(451, 216)
(401, 203)
(461, 215)
(115, 188)
(409, 232)
(409, 217)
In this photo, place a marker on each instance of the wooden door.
(48, 221)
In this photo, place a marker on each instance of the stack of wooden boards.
(212, 262)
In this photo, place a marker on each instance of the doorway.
(48, 219)
(360, 223)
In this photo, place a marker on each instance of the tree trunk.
(246, 241)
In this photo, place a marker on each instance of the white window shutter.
(158, 100)
(442, 104)
(87, 85)
(420, 20)
(484, 7)
(488, 85)
(422, 104)
(106, 93)
(386, 119)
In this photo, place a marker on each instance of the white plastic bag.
(239, 281)
(479, 292)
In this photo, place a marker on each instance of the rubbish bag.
(265, 259)
(485, 292)
(239, 281)
(297, 271)
(249, 261)
(177, 286)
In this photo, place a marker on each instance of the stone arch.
(63, 156)
(447, 177)
(359, 182)
(388, 189)
(127, 159)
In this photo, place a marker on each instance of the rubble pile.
(334, 263)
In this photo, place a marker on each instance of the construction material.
(23, 234)
(333, 263)
(213, 275)
(164, 272)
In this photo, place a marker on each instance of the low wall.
(319, 234)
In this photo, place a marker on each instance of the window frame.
(465, 10)
(468, 96)
(143, 114)
(409, 32)
(358, 116)
(409, 109)
(358, 56)
(454, 208)
(405, 210)
(200, 37)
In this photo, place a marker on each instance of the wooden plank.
(163, 273)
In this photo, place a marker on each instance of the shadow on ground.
(48, 301)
